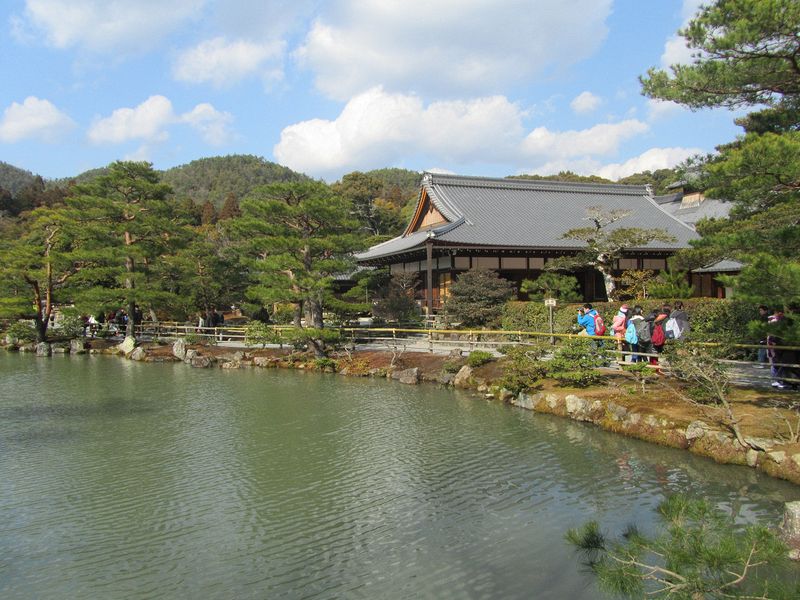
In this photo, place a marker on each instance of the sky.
(473, 87)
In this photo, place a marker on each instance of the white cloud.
(222, 62)
(659, 109)
(150, 120)
(377, 127)
(676, 52)
(652, 159)
(600, 140)
(212, 124)
(585, 102)
(34, 118)
(101, 25)
(145, 122)
(447, 46)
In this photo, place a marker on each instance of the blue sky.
(475, 87)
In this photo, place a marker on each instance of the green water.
(128, 480)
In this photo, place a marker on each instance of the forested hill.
(13, 179)
(659, 178)
(214, 178)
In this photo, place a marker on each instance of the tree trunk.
(608, 282)
(41, 329)
(130, 267)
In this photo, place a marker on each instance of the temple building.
(514, 226)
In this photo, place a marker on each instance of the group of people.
(641, 336)
(211, 318)
(115, 321)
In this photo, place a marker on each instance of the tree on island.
(605, 245)
(294, 239)
(126, 222)
(477, 298)
(39, 265)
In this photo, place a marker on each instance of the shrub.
(22, 331)
(452, 366)
(194, 338)
(324, 363)
(257, 332)
(576, 361)
(477, 298)
(283, 314)
(552, 285)
(71, 326)
(477, 358)
(523, 368)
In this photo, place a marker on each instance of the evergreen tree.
(295, 238)
(477, 298)
(126, 224)
(208, 215)
(230, 208)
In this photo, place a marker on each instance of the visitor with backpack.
(637, 334)
(591, 322)
(677, 325)
(658, 335)
(618, 326)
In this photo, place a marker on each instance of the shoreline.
(618, 405)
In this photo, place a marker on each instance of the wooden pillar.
(429, 273)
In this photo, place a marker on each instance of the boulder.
(616, 411)
(200, 362)
(231, 364)
(462, 378)
(77, 346)
(138, 354)
(407, 376)
(189, 356)
(179, 349)
(127, 346)
(696, 430)
(778, 456)
(60, 348)
(262, 361)
(27, 347)
(445, 378)
(11, 340)
(43, 349)
(752, 457)
(505, 395)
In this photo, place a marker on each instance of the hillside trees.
(294, 238)
(377, 215)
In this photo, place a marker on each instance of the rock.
(523, 400)
(189, 356)
(455, 353)
(445, 378)
(127, 346)
(696, 430)
(43, 349)
(179, 349)
(11, 340)
(505, 395)
(77, 346)
(552, 400)
(483, 388)
(261, 361)
(238, 356)
(489, 396)
(576, 404)
(632, 419)
(138, 354)
(408, 376)
(27, 347)
(778, 456)
(796, 459)
(616, 411)
(752, 457)
(760, 443)
(651, 421)
(59, 348)
(461, 380)
(376, 372)
(789, 529)
(231, 364)
(200, 362)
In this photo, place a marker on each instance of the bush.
(22, 331)
(71, 326)
(324, 363)
(575, 362)
(477, 298)
(523, 368)
(477, 358)
(258, 332)
(452, 366)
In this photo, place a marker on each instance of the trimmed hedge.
(711, 319)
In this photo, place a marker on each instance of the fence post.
(430, 341)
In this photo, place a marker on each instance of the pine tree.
(230, 208)
(208, 215)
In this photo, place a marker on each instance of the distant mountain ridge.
(13, 179)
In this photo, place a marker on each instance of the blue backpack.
(630, 334)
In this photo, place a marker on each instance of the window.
(512, 263)
(488, 262)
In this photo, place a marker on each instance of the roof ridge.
(534, 184)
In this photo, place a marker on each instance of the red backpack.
(599, 326)
(658, 337)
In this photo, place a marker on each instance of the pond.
(131, 480)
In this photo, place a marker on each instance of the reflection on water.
(123, 480)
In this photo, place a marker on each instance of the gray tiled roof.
(529, 213)
(709, 208)
(723, 266)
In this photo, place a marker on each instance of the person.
(586, 316)
(618, 326)
(763, 317)
(681, 321)
(201, 323)
(658, 336)
(783, 364)
(93, 324)
(642, 328)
